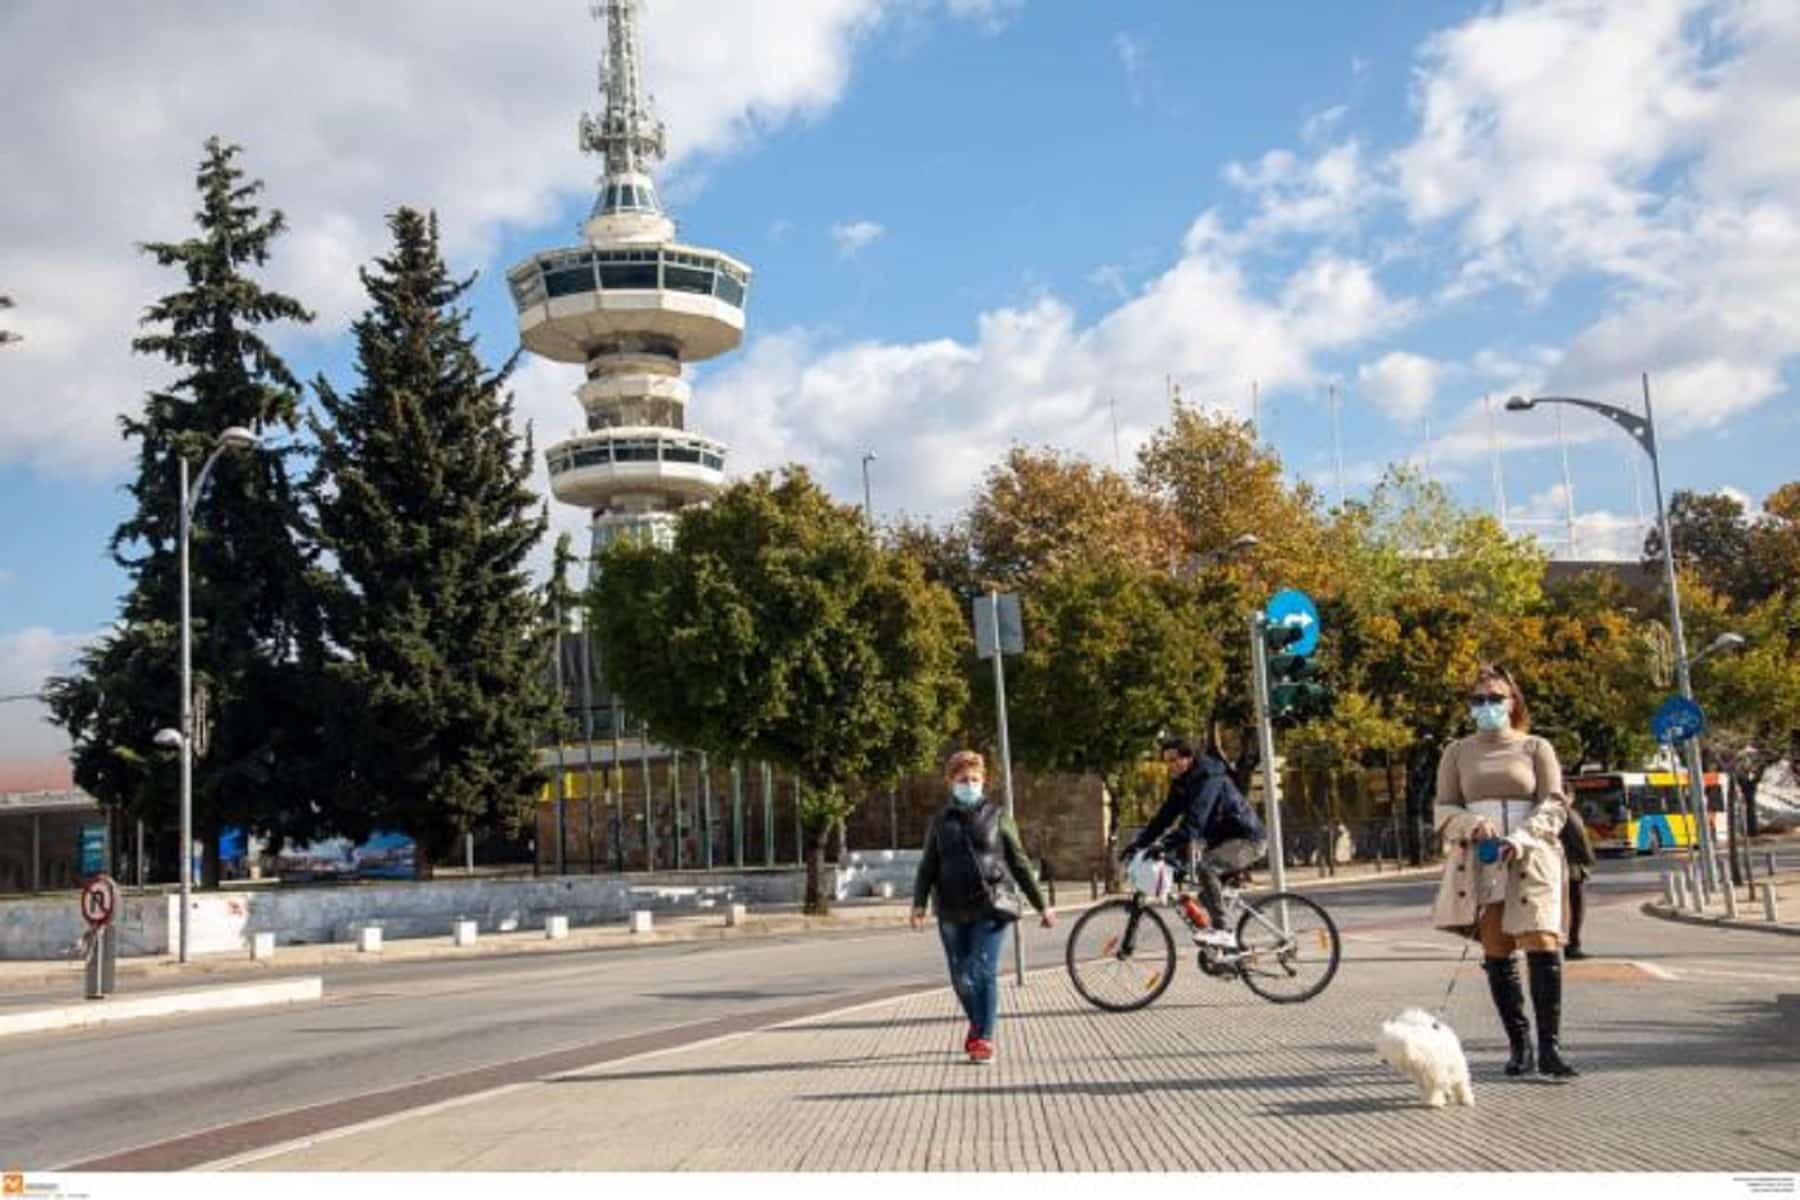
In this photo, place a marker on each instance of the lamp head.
(239, 438)
(1728, 641)
(169, 739)
(1245, 541)
(1520, 404)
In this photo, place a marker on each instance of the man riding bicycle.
(1210, 827)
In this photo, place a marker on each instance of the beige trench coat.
(1534, 875)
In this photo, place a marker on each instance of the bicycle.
(1121, 954)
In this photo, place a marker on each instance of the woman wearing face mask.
(1500, 809)
(973, 856)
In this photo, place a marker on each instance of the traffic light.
(1295, 692)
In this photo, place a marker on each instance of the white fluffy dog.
(1427, 1051)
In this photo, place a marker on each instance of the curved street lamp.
(235, 438)
(1643, 431)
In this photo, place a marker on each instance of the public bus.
(1641, 812)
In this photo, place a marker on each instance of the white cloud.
(347, 111)
(990, 15)
(1599, 535)
(1655, 146)
(853, 237)
(1134, 54)
(939, 412)
(1401, 384)
(28, 742)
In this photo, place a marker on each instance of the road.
(78, 1097)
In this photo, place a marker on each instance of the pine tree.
(7, 336)
(255, 635)
(422, 497)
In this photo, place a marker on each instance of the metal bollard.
(1731, 903)
(1671, 890)
(1770, 860)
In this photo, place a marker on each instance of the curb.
(846, 920)
(137, 1008)
(1663, 912)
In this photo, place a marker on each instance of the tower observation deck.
(631, 305)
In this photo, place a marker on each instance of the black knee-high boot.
(1509, 998)
(1546, 1000)
(1576, 905)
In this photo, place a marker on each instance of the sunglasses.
(1487, 698)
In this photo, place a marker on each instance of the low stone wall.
(224, 922)
(867, 870)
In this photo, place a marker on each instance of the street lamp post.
(868, 502)
(1643, 431)
(234, 438)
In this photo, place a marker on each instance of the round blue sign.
(1295, 608)
(1677, 720)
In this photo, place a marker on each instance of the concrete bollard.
(640, 921)
(1696, 891)
(464, 933)
(736, 915)
(1731, 904)
(1678, 882)
(262, 945)
(1771, 906)
(885, 889)
(368, 939)
(556, 928)
(1671, 892)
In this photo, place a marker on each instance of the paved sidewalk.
(1689, 1043)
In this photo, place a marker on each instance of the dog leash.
(1455, 975)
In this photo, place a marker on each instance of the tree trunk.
(818, 903)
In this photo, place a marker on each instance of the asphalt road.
(74, 1097)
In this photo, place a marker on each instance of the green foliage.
(256, 634)
(1111, 661)
(777, 628)
(423, 502)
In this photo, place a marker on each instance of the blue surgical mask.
(967, 794)
(1491, 718)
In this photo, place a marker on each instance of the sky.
(973, 224)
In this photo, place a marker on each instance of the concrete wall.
(223, 922)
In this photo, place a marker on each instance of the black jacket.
(1204, 806)
(969, 853)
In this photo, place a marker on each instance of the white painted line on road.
(1654, 971)
(94, 1013)
(1714, 973)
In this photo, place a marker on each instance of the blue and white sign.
(1677, 720)
(1295, 608)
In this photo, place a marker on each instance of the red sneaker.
(981, 1051)
(969, 1040)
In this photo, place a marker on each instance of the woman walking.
(1500, 811)
(973, 857)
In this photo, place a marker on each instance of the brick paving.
(1689, 1039)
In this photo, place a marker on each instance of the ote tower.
(631, 305)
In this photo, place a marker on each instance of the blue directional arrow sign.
(1677, 720)
(1295, 608)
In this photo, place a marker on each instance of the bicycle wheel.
(1121, 955)
(1291, 948)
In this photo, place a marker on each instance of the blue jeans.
(973, 952)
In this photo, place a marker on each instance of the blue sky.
(974, 223)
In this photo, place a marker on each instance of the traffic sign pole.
(1265, 737)
(1000, 648)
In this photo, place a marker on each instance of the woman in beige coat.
(1504, 787)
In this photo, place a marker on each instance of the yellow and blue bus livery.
(1633, 812)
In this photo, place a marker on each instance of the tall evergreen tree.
(255, 637)
(7, 336)
(422, 497)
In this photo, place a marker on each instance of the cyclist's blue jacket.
(1204, 806)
